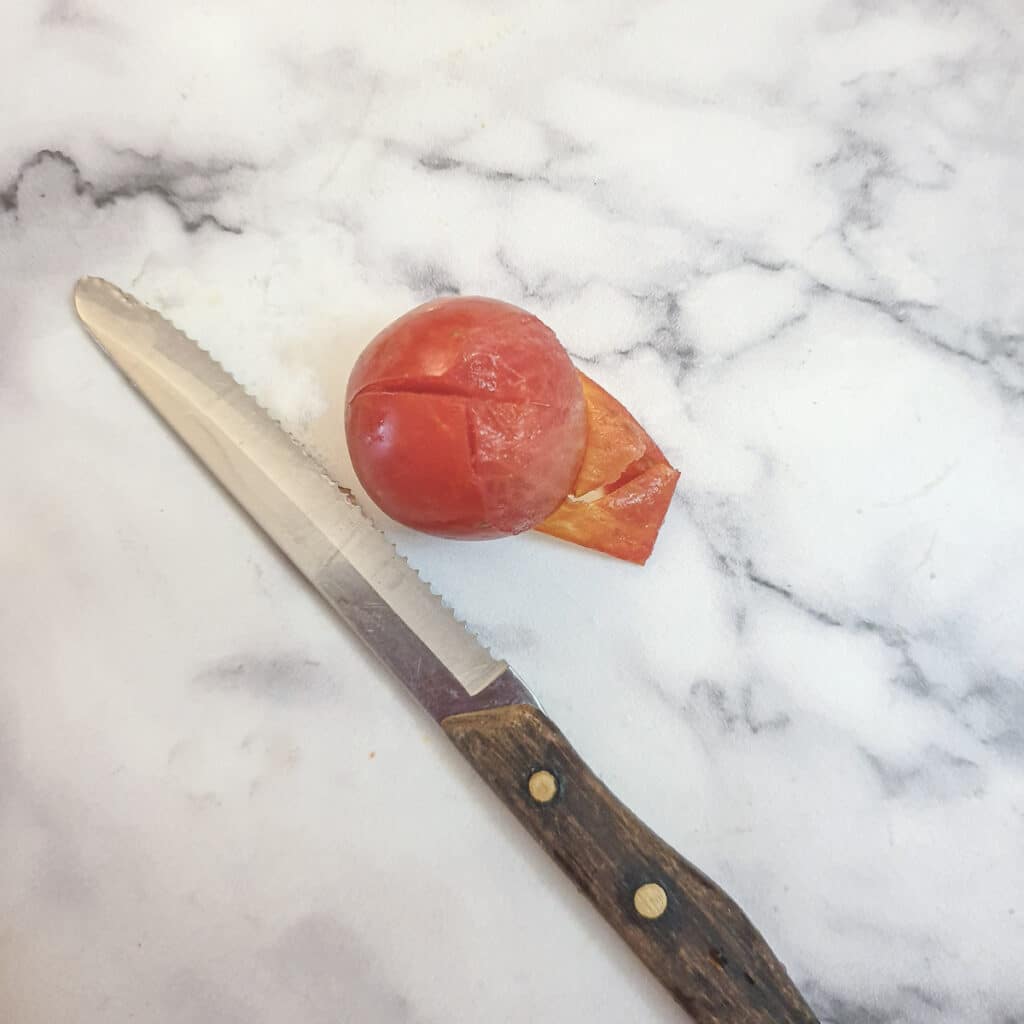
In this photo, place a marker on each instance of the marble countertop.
(789, 235)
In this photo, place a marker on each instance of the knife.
(690, 934)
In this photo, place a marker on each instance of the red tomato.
(465, 418)
(624, 487)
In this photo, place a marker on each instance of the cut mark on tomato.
(439, 387)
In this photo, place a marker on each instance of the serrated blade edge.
(317, 524)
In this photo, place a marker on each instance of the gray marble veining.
(790, 236)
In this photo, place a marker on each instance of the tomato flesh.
(466, 418)
(625, 485)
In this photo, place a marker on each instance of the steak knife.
(690, 934)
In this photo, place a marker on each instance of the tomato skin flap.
(624, 487)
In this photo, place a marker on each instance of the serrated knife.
(692, 936)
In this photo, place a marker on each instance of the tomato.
(466, 418)
(624, 487)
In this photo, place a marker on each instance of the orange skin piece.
(623, 489)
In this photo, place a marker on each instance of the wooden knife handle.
(690, 934)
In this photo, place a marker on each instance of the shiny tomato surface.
(466, 418)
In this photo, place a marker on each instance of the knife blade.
(691, 935)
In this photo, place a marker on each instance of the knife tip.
(88, 285)
(84, 286)
(92, 292)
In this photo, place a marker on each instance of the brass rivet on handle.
(651, 901)
(543, 786)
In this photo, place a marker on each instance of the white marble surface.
(790, 235)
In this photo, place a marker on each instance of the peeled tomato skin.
(624, 523)
(466, 418)
(624, 487)
(615, 442)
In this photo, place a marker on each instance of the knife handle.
(691, 935)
